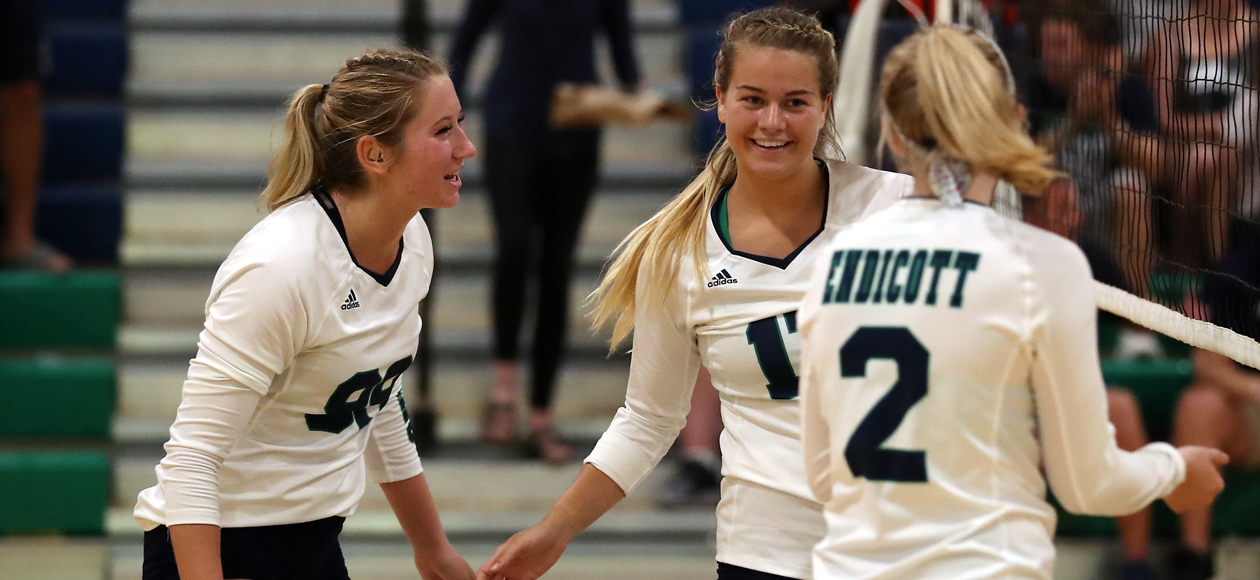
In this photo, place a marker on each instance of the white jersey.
(948, 354)
(741, 325)
(292, 395)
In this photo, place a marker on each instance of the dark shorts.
(20, 40)
(307, 551)
(729, 572)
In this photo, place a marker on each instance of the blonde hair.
(679, 227)
(373, 94)
(947, 92)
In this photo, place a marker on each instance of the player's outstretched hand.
(1203, 478)
(444, 564)
(525, 556)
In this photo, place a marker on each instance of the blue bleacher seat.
(84, 221)
(842, 29)
(114, 10)
(702, 47)
(707, 131)
(83, 142)
(693, 12)
(87, 59)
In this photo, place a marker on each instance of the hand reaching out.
(446, 564)
(1203, 478)
(525, 556)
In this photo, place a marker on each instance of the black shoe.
(1138, 570)
(693, 483)
(1187, 565)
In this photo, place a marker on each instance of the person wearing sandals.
(714, 279)
(540, 181)
(292, 402)
(21, 138)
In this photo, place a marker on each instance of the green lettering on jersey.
(916, 276)
(340, 411)
(868, 277)
(851, 263)
(830, 289)
(883, 270)
(894, 289)
(965, 263)
(940, 261)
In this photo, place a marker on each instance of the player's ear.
(372, 154)
(894, 141)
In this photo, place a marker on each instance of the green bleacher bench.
(57, 397)
(54, 491)
(72, 310)
(1157, 384)
(1235, 513)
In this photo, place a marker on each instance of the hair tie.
(323, 92)
(950, 178)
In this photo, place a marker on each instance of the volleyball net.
(1150, 108)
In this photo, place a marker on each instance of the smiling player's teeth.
(770, 144)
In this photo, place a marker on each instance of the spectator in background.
(1101, 125)
(1222, 407)
(22, 138)
(1203, 71)
(540, 181)
(1058, 211)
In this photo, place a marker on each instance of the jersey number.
(772, 355)
(372, 389)
(864, 452)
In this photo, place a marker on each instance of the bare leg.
(1124, 414)
(704, 423)
(1207, 416)
(21, 153)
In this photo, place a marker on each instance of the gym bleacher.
(161, 116)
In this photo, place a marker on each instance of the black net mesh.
(1151, 109)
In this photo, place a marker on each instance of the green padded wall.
(53, 491)
(74, 310)
(1157, 384)
(62, 398)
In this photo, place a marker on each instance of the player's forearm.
(590, 496)
(197, 551)
(412, 503)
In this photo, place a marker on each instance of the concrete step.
(197, 228)
(587, 396)
(215, 140)
(364, 15)
(218, 69)
(469, 488)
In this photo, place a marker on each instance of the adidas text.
(352, 301)
(722, 278)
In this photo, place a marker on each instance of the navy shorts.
(20, 40)
(307, 551)
(729, 572)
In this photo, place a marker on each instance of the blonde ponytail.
(295, 168)
(948, 92)
(375, 93)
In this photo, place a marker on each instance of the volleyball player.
(292, 399)
(715, 279)
(949, 352)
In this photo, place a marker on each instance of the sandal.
(546, 445)
(498, 423)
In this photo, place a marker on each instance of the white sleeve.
(391, 451)
(665, 360)
(815, 430)
(1087, 471)
(255, 324)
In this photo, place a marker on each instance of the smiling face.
(773, 111)
(433, 149)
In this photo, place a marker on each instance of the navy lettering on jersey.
(340, 411)
(772, 355)
(916, 276)
(883, 270)
(881, 281)
(940, 261)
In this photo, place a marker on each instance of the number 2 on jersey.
(772, 355)
(865, 452)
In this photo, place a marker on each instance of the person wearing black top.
(540, 180)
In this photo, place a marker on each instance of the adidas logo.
(352, 301)
(722, 278)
